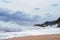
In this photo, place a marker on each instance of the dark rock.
(49, 23)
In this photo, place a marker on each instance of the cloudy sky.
(29, 11)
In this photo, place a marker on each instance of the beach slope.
(38, 37)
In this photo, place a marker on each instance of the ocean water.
(28, 31)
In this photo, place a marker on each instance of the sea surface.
(29, 30)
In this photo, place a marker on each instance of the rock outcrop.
(49, 23)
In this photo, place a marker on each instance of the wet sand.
(38, 37)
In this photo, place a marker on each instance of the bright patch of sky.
(34, 8)
(28, 6)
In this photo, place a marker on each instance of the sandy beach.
(38, 37)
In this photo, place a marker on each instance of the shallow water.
(30, 30)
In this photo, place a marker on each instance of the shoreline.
(38, 37)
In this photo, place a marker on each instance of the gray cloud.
(18, 17)
(54, 5)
